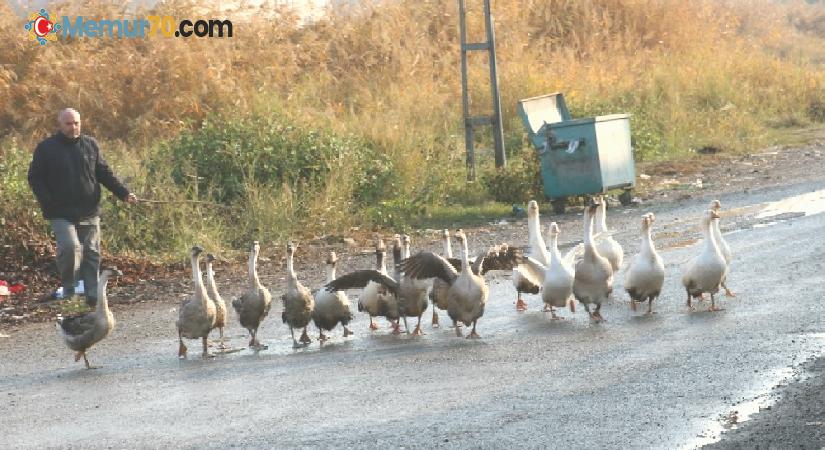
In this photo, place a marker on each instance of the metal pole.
(465, 98)
(498, 130)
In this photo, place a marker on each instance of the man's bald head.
(68, 120)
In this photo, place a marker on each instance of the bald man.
(65, 175)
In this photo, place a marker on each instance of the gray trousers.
(78, 254)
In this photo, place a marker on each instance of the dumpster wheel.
(626, 197)
(559, 204)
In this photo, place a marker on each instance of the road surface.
(672, 380)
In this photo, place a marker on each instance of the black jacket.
(65, 176)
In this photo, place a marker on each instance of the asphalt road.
(671, 380)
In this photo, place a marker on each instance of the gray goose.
(412, 294)
(438, 294)
(331, 308)
(468, 291)
(80, 332)
(253, 305)
(297, 300)
(196, 316)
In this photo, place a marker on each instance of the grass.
(380, 89)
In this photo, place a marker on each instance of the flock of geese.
(456, 285)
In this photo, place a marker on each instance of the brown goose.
(331, 308)
(379, 295)
(412, 294)
(80, 332)
(196, 316)
(215, 296)
(253, 305)
(298, 301)
(468, 291)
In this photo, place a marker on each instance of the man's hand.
(131, 198)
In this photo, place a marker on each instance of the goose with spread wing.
(468, 291)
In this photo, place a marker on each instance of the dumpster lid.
(537, 111)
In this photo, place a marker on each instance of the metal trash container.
(578, 156)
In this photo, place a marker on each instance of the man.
(65, 175)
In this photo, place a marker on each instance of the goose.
(468, 291)
(605, 244)
(375, 300)
(412, 293)
(196, 316)
(379, 296)
(438, 294)
(593, 279)
(253, 305)
(331, 308)
(537, 250)
(646, 273)
(555, 278)
(298, 301)
(80, 332)
(220, 305)
(716, 205)
(705, 272)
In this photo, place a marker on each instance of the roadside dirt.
(28, 256)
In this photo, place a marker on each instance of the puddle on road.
(800, 205)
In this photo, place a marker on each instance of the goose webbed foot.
(347, 332)
(305, 337)
(417, 331)
(473, 334)
(206, 353)
(521, 305)
(435, 323)
(89, 366)
(322, 337)
(729, 293)
(633, 305)
(553, 315)
(396, 328)
(373, 326)
(182, 350)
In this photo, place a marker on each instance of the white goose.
(556, 278)
(331, 308)
(605, 244)
(705, 272)
(438, 294)
(537, 250)
(215, 296)
(468, 291)
(716, 205)
(646, 274)
(593, 279)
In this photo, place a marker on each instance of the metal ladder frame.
(470, 122)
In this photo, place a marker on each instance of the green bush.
(518, 182)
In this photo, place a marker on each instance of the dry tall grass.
(692, 73)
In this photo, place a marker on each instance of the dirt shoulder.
(143, 281)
